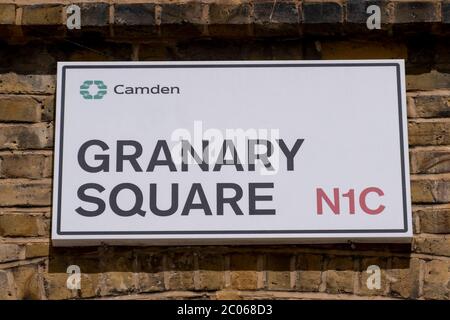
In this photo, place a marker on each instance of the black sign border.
(235, 65)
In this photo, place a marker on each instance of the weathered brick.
(357, 10)
(10, 252)
(362, 50)
(434, 219)
(7, 290)
(7, 13)
(228, 295)
(211, 272)
(33, 58)
(340, 275)
(118, 277)
(429, 132)
(415, 223)
(364, 276)
(442, 58)
(42, 14)
(278, 272)
(309, 272)
(118, 283)
(243, 271)
(436, 283)
(32, 84)
(403, 276)
(25, 193)
(36, 136)
(99, 51)
(430, 160)
(434, 245)
(421, 53)
(94, 14)
(48, 108)
(176, 13)
(181, 271)
(150, 271)
(141, 14)
(37, 249)
(25, 165)
(340, 282)
(90, 284)
(446, 12)
(409, 12)
(278, 12)
(22, 224)
(55, 285)
(19, 109)
(430, 106)
(89, 259)
(430, 188)
(229, 13)
(428, 81)
(322, 12)
(27, 282)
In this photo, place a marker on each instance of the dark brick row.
(258, 12)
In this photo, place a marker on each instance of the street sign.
(231, 152)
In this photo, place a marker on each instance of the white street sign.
(231, 152)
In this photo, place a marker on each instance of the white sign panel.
(231, 152)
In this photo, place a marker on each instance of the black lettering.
(132, 158)
(174, 202)
(232, 201)
(129, 90)
(118, 86)
(203, 205)
(141, 90)
(290, 154)
(161, 145)
(86, 198)
(136, 209)
(228, 144)
(252, 197)
(165, 90)
(264, 157)
(155, 89)
(104, 165)
(187, 147)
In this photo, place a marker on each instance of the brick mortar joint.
(18, 263)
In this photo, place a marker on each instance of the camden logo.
(93, 89)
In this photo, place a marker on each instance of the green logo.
(100, 89)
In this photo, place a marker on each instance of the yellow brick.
(40, 249)
(21, 224)
(19, 108)
(42, 14)
(18, 192)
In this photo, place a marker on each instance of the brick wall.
(33, 38)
